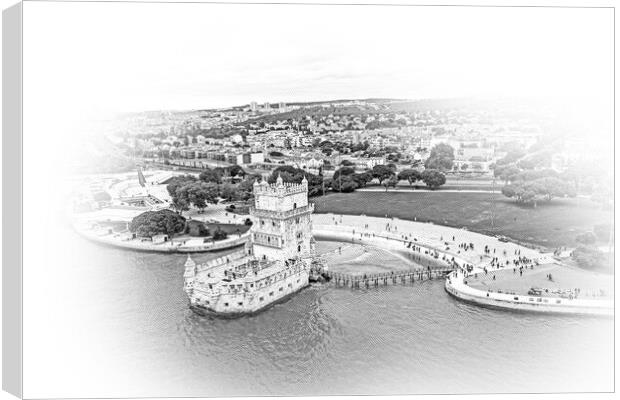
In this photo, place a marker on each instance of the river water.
(121, 326)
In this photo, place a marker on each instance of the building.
(253, 106)
(274, 263)
(368, 163)
(246, 158)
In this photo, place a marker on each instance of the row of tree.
(208, 188)
(347, 180)
(188, 191)
(528, 177)
(537, 190)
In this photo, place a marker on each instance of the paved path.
(407, 190)
(440, 237)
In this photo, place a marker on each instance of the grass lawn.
(550, 225)
(230, 229)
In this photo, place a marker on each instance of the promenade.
(482, 264)
(99, 226)
(181, 245)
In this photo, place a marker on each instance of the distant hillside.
(317, 111)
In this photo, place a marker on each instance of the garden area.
(167, 222)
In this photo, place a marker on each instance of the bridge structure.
(385, 278)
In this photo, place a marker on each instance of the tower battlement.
(280, 188)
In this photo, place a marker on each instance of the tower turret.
(282, 226)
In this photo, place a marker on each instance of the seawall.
(455, 286)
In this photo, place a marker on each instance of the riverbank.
(485, 256)
(456, 285)
(186, 245)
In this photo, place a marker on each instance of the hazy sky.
(126, 57)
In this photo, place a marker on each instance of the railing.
(281, 214)
(394, 277)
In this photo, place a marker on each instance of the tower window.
(299, 248)
(294, 206)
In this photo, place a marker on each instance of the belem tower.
(273, 264)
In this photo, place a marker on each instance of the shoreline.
(169, 247)
(456, 287)
(431, 236)
(437, 244)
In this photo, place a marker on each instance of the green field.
(551, 225)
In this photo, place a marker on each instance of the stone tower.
(282, 226)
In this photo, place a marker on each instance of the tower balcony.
(281, 214)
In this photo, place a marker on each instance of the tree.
(550, 187)
(382, 172)
(343, 171)
(219, 234)
(409, 175)
(180, 202)
(534, 191)
(362, 179)
(211, 175)
(441, 157)
(196, 228)
(178, 181)
(589, 257)
(433, 178)
(390, 182)
(344, 184)
(236, 170)
(347, 163)
(199, 194)
(229, 192)
(512, 156)
(507, 173)
(151, 223)
(245, 189)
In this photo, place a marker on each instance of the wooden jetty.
(385, 278)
